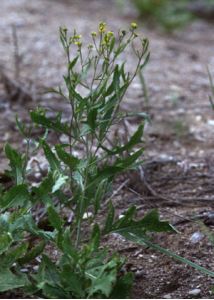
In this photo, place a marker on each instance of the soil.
(179, 159)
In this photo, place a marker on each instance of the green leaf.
(91, 120)
(110, 219)
(16, 196)
(134, 140)
(150, 223)
(10, 281)
(60, 180)
(102, 278)
(52, 292)
(73, 282)
(41, 192)
(5, 241)
(13, 255)
(32, 253)
(68, 159)
(65, 243)
(146, 242)
(99, 195)
(129, 161)
(40, 119)
(145, 61)
(51, 157)
(16, 163)
(72, 63)
(54, 218)
(123, 286)
(95, 237)
(48, 273)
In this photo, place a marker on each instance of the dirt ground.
(179, 158)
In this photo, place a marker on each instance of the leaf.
(110, 219)
(5, 242)
(52, 292)
(68, 159)
(44, 189)
(99, 195)
(10, 281)
(134, 140)
(60, 180)
(54, 218)
(91, 120)
(16, 196)
(95, 238)
(150, 223)
(123, 286)
(51, 157)
(65, 243)
(146, 242)
(39, 118)
(73, 282)
(16, 163)
(13, 255)
(72, 63)
(129, 161)
(145, 61)
(32, 253)
(48, 273)
(102, 279)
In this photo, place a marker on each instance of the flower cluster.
(102, 27)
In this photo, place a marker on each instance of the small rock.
(139, 273)
(196, 237)
(194, 292)
(167, 296)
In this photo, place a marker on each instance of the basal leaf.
(5, 241)
(123, 286)
(102, 279)
(10, 281)
(32, 253)
(16, 196)
(13, 255)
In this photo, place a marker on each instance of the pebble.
(167, 296)
(139, 273)
(194, 292)
(196, 237)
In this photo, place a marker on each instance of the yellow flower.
(77, 37)
(79, 44)
(102, 27)
(134, 25)
(93, 34)
(110, 33)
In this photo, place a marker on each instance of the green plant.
(76, 185)
(168, 13)
(59, 253)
